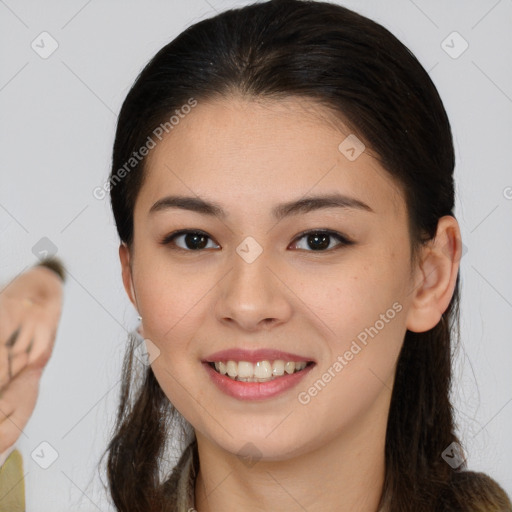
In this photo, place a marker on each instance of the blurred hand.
(30, 308)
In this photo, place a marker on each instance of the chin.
(257, 446)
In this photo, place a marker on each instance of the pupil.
(191, 240)
(314, 239)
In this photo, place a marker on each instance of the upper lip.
(253, 356)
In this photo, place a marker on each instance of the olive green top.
(12, 484)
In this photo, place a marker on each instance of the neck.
(342, 475)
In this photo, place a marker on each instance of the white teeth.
(221, 367)
(262, 371)
(289, 367)
(245, 370)
(232, 368)
(278, 368)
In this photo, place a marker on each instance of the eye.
(320, 240)
(193, 240)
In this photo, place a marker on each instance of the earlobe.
(437, 275)
(124, 257)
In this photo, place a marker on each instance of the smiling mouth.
(261, 371)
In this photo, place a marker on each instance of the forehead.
(243, 151)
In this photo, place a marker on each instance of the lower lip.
(256, 390)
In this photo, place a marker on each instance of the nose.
(253, 296)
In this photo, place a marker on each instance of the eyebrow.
(303, 205)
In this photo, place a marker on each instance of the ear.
(124, 256)
(436, 276)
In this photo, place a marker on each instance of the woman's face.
(252, 281)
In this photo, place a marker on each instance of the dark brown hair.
(359, 70)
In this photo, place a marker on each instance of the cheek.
(361, 309)
(172, 304)
(359, 360)
(349, 298)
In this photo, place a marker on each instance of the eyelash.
(344, 241)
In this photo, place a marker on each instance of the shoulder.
(471, 491)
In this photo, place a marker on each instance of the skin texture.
(30, 304)
(248, 156)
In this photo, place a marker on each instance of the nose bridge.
(250, 274)
(251, 293)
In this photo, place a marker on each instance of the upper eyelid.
(180, 232)
(321, 230)
(342, 238)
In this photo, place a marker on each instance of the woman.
(282, 185)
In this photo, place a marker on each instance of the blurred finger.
(17, 346)
(16, 363)
(12, 314)
(42, 348)
(13, 337)
(17, 405)
(20, 340)
(4, 365)
(6, 355)
(6, 409)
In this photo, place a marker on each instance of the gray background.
(57, 123)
